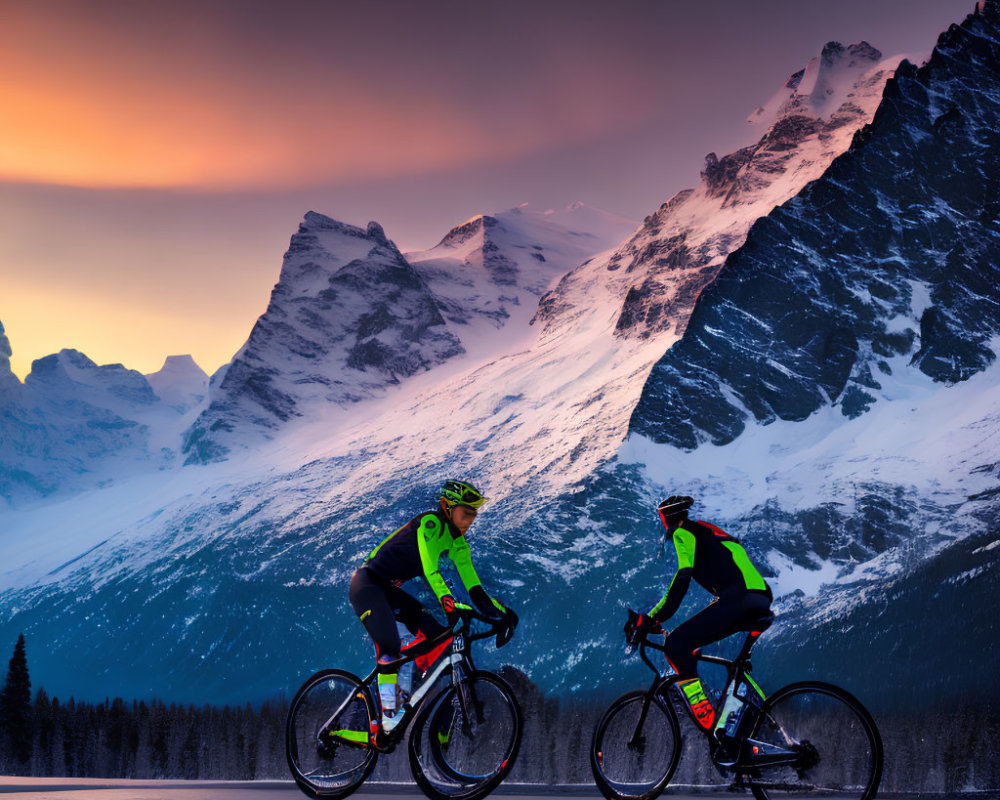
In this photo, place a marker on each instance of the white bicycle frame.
(454, 660)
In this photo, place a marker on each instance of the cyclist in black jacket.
(717, 562)
(414, 551)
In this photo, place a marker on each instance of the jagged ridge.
(805, 315)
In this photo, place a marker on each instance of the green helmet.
(460, 493)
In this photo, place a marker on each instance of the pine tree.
(15, 707)
(44, 735)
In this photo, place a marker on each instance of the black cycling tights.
(379, 603)
(732, 612)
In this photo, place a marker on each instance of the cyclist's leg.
(728, 614)
(418, 621)
(429, 626)
(412, 614)
(369, 601)
(368, 598)
(712, 623)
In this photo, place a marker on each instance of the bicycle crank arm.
(760, 754)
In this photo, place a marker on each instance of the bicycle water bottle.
(742, 699)
(729, 716)
(406, 671)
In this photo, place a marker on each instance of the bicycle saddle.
(758, 623)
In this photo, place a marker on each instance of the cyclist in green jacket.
(413, 551)
(718, 562)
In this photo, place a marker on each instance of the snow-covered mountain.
(828, 85)
(836, 393)
(351, 316)
(489, 272)
(870, 339)
(348, 317)
(180, 383)
(73, 424)
(228, 580)
(655, 278)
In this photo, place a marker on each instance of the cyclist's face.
(463, 516)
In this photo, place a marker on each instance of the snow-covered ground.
(915, 422)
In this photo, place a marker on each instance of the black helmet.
(674, 509)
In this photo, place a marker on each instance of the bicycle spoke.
(635, 748)
(814, 737)
(465, 742)
(327, 735)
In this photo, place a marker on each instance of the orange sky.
(90, 100)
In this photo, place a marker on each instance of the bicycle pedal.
(382, 741)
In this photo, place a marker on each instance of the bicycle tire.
(335, 767)
(839, 745)
(476, 760)
(441, 722)
(626, 769)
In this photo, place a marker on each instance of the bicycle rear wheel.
(465, 740)
(326, 736)
(633, 754)
(830, 742)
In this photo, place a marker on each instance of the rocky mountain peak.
(834, 53)
(9, 382)
(180, 382)
(377, 234)
(5, 351)
(181, 365)
(314, 221)
(461, 234)
(659, 272)
(69, 373)
(828, 82)
(348, 318)
(901, 277)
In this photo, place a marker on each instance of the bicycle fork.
(470, 708)
(638, 740)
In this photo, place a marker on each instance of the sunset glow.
(109, 331)
(156, 157)
(84, 106)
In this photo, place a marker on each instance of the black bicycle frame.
(761, 753)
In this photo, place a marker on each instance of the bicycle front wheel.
(635, 747)
(327, 735)
(464, 741)
(822, 740)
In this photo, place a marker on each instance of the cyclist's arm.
(684, 543)
(429, 526)
(461, 556)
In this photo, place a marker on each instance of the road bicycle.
(807, 738)
(464, 734)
